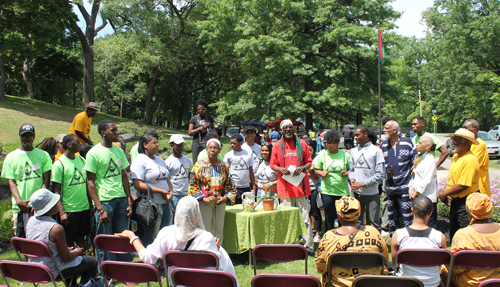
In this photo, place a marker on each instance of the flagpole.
(379, 92)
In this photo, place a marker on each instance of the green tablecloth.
(245, 230)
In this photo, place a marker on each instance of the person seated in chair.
(187, 233)
(419, 235)
(351, 236)
(483, 233)
(44, 228)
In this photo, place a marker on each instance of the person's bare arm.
(395, 248)
(444, 154)
(83, 137)
(103, 215)
(57, 236)
(282, 170)
(46, 179)
(456, 189)
(126, 188)
(129, 234)
(23, 205)
(443, 241)
(252, 177)
(192, 131)
(56, 188)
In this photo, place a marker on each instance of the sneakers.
(317, 239)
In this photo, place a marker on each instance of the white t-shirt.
(420, 239)
(152, 172)
(254, 150)
(179, 169)
(239, 163)
(265, 174)
(424, 180)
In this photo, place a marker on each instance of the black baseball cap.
(26, 128)
(249, 128)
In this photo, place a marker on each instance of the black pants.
(239, 192)
(458, 215)
(316, 212)
(196, 147)
(87, 268)
(348, 143)
(433, 220)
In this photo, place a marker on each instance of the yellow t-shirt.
(81, 122)
(464, 170)
(481, 152)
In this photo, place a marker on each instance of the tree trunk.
(51, 90)
(63, 91)
(148, 112)
(309, 122)
(88, 76)
(27, 78)
(179, 118)
(74, 93)
(3, 78)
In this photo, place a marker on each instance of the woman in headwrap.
(349, 237)
(482, 234)
(187, 233)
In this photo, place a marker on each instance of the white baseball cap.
(176, 139)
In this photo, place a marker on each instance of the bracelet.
(61, 213)
(133, 239)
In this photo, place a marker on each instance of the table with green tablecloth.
(244, 230)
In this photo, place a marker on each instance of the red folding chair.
(26, 272)
(202, 278)
(285, 280)
(112, 244)
(490, 283)
(477, 259)
(278, 253)
(130, 272)
(386, 281)
(425, 258)
(189, 259)
(35, 248)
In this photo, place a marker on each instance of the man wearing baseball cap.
(178, 166)
(81, 124)
(27, 169)
(463, 178)
(251, 146)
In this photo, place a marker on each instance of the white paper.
(294, 180)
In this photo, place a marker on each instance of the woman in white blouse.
(149, 169)
(188, 227)
(266, 178)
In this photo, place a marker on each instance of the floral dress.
(209, 180)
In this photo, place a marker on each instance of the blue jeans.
(162, 221)
(316, 212)
(118, 221)
(330, 210)
(174, 202)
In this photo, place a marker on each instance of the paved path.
(443, 169)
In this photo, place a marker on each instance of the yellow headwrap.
(348, 208)
(479, 206)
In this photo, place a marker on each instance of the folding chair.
(477, 259)
(285, 280)
(130, 272)
(35, 248)
(202, 278)
(112, 244)
(490, 283)
(278, 253)
(26, 272)
(425, 258)
(386, 281)
(189, 259)
(355, 259)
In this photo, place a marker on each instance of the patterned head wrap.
(348, 208)
(479, 206)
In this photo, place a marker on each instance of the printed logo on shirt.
(241, 165)
(255, 157)
(29, 173)
(361, 162)
(113, 170)
(162, 173)
(77, 178)
(182, 173)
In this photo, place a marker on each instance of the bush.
(6, 231)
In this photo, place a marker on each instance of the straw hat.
(466, 134)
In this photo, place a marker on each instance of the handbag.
(319, 201)
(145, 210)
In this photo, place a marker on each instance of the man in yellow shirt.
(463, 178)
(81, 124)
(481, 152)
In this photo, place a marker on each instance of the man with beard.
(418, 126)
(291, 155)
(463, 178)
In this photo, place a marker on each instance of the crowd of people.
(69, 185)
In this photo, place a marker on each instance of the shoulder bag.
(145, 210)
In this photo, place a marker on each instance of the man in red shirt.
(291, 153)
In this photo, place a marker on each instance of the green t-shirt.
(71, 175)
(134, 152)
(334, 183)
(415, 139)
(204, 154)
(27, 169)
(107, 164)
